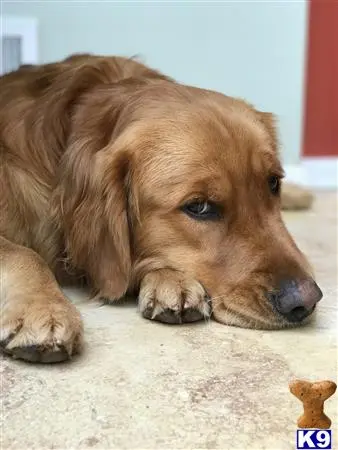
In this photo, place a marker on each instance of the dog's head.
(159, 175)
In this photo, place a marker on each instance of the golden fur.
(98, 156)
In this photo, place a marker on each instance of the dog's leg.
(167, 296)
(37, 322)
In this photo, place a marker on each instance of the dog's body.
(114, 173)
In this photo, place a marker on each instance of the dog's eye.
(274, 184)
(202, 210)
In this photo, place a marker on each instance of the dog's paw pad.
(37, 354)
(191, 315)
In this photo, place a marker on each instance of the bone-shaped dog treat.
(313, 396)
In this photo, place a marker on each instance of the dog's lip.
(283, 322)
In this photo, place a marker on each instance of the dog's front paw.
(166, 296)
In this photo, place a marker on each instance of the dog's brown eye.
(274, 184)
(202, 210)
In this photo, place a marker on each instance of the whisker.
(233, 313)
(218, 296)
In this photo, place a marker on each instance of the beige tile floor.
(142, 385)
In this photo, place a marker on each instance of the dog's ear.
(90, 201)
(269, 122)
(92, 213)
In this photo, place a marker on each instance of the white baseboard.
(316, 173)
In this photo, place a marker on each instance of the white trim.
(316, 173)
(27, 29)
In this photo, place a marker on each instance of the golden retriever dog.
(115, 174)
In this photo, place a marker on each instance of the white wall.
(249, 49)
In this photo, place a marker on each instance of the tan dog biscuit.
(313, 396)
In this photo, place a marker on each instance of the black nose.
(295, 300)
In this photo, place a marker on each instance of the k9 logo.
(316, 439)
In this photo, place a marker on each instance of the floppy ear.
(91, 203)
(269, 121)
